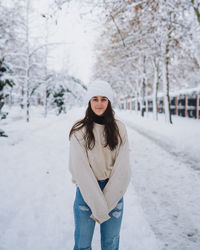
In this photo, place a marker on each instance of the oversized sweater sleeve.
(120, 174)
(84, 177)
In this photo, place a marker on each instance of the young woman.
(99, 164)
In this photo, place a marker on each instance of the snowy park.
(162, 201)
(149, 53)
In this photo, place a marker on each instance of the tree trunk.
(22, 97)
(166, 87)
(46, 80)
(155, 90)
(142, 108)
(136, 95)
(27, 81)
(147, 103)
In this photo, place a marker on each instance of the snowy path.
(36, 212)
(179, 155)
(37, 193)
(168, 190)
(161, 205)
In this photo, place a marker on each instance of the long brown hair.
(111, 130)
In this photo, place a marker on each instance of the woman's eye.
(101, 100)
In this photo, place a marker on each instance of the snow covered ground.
(166, 177)
(161, 204)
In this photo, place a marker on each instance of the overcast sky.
(78, 31)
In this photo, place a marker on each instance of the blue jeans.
(84, 225)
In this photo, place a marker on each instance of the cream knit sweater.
(88, 166)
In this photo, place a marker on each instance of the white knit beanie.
(99, 88)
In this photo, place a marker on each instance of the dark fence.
(182, 104)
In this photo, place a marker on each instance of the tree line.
(25, 78)
(149, 46)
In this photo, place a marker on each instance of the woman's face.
(99, 104)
